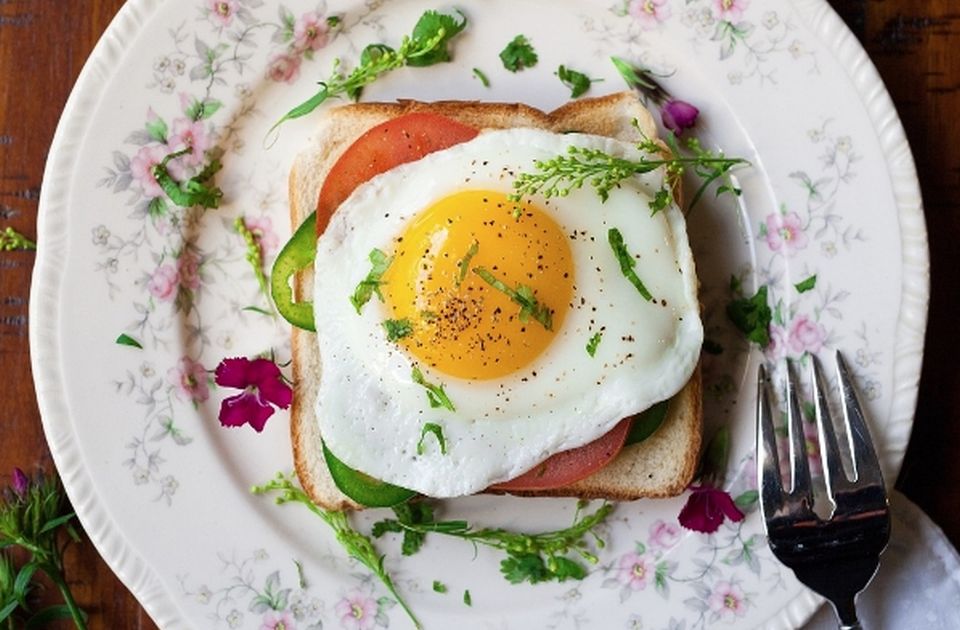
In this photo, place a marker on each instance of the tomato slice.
(573, 465)
(397, 141)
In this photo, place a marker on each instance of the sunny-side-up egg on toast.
(481, 311)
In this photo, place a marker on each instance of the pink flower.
(649, 13)
(678, 115)
(262, 228)
(706, 509)
(263, 387)
(729, 10)
(222, 11)
(20, 483)
(310, 32)
(777, 348)
(806, 335)
(284, 68)
(188, 266)
(189, 379)
(164, 282)
(664, 535)
(357, 612)
(278, 621)
(141, 168)
(189, 134)
(634, 571)
(727, 600)
(785, 231)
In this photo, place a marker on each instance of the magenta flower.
(189, 380)
(262, 228)
(141, 168)
(728, 601)
(189, 134)
(649, 13)
(263, 388)
(678, 115)
(785, 231)
(278, 621)
(188, 268)
(284, 68)
(664, 535)
(806, 335)
(729, 10)
(357, 612)
(21, 483)
(706, 509)
(310, 33)
(222, 11)
(164, 282)
(634, 571)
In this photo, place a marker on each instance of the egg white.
(371, 413)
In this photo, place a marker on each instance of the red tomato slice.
(570, 466)
(389, 144)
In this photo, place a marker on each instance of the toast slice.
(661, 466)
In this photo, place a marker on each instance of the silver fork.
(836, 557)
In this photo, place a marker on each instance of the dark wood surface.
(43, 45)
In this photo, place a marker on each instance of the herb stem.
(55, 573)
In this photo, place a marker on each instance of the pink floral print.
(730, 10)
(806, 335)
(189, 380)
(357, 612)
(189, 134)
(141, 168)
(649, 13)
(278, 621)
(785, 232)
(727, 601)
(310, 33)
(188, 267)
(634, 571)
(164, 282)
(284, 68)
(222, 11)
(262, 228)
(664, 535)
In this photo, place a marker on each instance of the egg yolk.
(485, 284)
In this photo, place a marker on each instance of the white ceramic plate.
(163, 490)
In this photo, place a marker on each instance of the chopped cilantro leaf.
(578, 82)
(593, 343)
(518, 54)
(430, 25)
(397, 328)
(467, 599)
(627, 263)
(522, 295)
(752, 317)
(371, 284)
(435, 393)
(464, 263)
(437, 431)
(807, 285)
(660, 200)
(439, 587)
(127, 340)
(477, 72)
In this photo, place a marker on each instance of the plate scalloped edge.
(52, 230)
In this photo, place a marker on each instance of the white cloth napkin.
(918, 585)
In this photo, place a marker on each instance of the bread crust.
(661, 466)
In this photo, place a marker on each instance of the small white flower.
(863, 358)
(771, 20)
(260, 555)
(796, 49)
(706, 18)
(872, 390)
(100, 235)
(735, 78)
(147, 371)
(635, 622)
(140, 476)
(235, 618)
(160, 64)
(167, 85)
(203, 595)
(225, 340)
(815, 135)
(179, 67)
(113, 265)
(844, 144)
(242, 90)
(829, 249)
(169, 484)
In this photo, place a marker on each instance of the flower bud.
(679, 115)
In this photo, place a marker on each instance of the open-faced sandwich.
(462, 339)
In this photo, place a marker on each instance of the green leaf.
(21, 586)
(647, 422)
(126, 340)
(578, 82)
(715, 455)
(627, 262)
(157, 207)
(257, 309)
(439, 587)
(437, 431)
(477, 72)
(594, 343)
(56, 522)
(397, 328)
(660, 200)
(518, 54)
(522, 295)
(807, 285)
(467, 599)
(157, 130)
(435, 393)
(432, 25)
(192, 192)
(566, 569)
(8, 609)
(752, 317)
(524, 567)
(635, 79)
(371, 284)
(43, 618)
(463, 265)
(747, 500)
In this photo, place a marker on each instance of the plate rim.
(53, 235)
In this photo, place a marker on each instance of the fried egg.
(496, 303)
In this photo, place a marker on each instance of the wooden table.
(43, 45)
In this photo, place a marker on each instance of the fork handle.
(847, 614)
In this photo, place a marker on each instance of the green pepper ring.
(298, 254)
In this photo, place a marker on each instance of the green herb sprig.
(196, 191)
(437, 431)
(397, 328)
(428, 44)
(532, 558)
(522, 295)
(357, 545)
(518, 54)
(370, 286)
(578, 82)
(435, 393)
(254, 255)
(33, 516)
(752, 315)
(627, 262)
(559, 176)
(11, 240)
